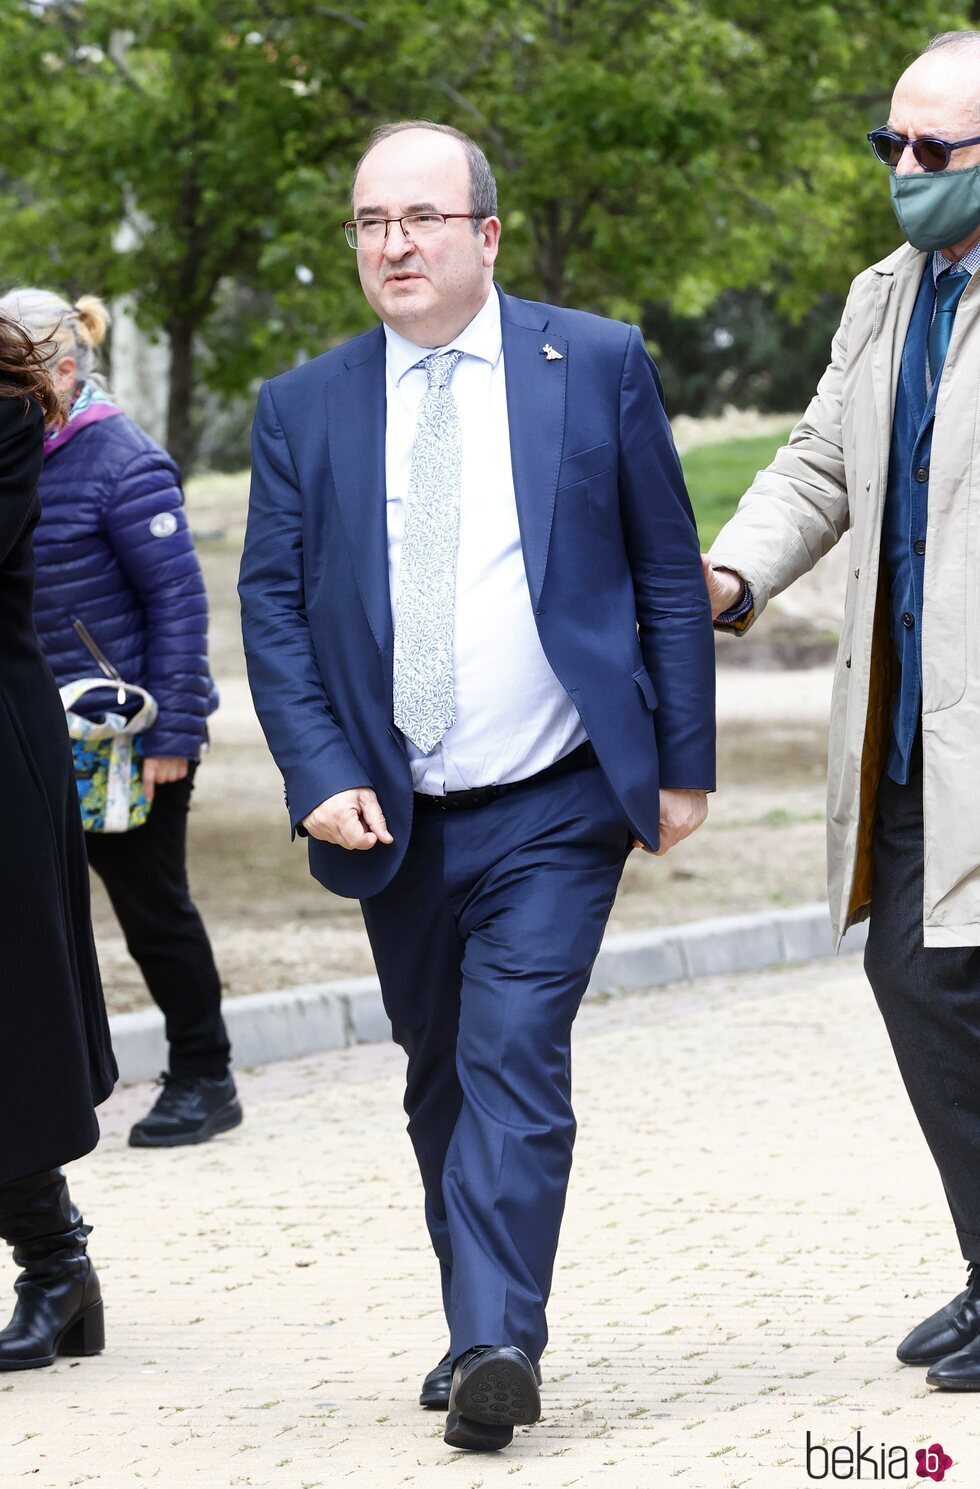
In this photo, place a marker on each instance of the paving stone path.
(753, 1223)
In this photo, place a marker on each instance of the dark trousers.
(145, 875)
(930, 1001)
(484, 942)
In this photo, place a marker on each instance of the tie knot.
(949, 286)
(440, 367)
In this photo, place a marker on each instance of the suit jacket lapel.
(536, 415)
(356, 424)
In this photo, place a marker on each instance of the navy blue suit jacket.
(610, 548)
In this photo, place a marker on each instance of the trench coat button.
(857, 573)
(908, 620)
(847, 662)
(921, 473)
(867, 485)
(920, 546)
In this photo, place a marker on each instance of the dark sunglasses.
(932, 155)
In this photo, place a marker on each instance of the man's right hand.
(351, 819)
(725, 587)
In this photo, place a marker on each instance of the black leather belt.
(582, 756)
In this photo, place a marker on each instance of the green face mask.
(936, 209)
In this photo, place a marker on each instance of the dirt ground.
(272, 926)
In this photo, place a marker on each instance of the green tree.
(172, 115)
(645, 154)
(670, 152)
(223, 135)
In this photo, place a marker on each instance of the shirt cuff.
(738, 616)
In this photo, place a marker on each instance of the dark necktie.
(949, 286)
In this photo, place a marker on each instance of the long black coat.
(56, 1061)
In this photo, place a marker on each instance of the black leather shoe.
(959, 1371)
(494, 1390)
(189, 1109)
(59, 1302)
(947, 1331)
(438, 1383)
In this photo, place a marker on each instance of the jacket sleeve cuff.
(738, 618)
(307, 805)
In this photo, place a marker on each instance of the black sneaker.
(189, 1109)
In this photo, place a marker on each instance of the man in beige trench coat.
(890, 449)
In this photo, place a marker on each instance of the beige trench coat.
(830, 477)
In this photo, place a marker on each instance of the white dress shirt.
(513, 717)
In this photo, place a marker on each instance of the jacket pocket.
(592, 462)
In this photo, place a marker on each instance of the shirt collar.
(482, 338)
(970, 262)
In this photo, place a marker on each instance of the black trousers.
(930, 1001)
(145, 874)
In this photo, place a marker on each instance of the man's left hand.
(681, 813)
(160, 770)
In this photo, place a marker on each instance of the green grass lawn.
(717, 475)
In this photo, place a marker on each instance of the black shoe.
(947, 1331)
(189, 1109)
(438, 1383)
(494, 1390)
(959, 1371)
(59, 1302)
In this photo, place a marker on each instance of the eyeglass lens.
(932, 155)
(371, 232)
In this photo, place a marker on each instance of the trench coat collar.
(901, 261)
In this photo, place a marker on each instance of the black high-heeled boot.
(59, 1302)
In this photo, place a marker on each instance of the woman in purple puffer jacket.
(114, 551)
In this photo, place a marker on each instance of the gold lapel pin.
(550, 352)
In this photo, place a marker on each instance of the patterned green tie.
(949, 286)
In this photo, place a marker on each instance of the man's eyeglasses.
(932, 154)
(372, 232)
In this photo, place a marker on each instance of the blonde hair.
(68, 330)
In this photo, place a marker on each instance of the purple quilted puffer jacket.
(114, 550)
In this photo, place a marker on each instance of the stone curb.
(333, 1015)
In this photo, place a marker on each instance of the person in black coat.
(56, 1061)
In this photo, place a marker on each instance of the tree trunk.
(551, 253)
(180, 428)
